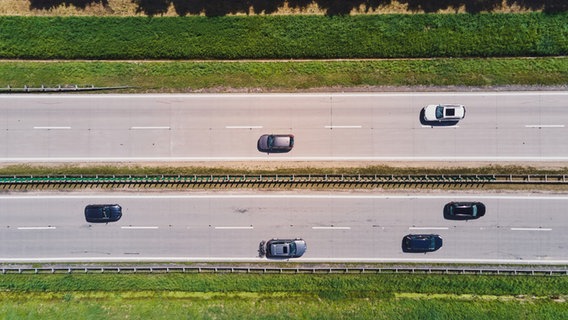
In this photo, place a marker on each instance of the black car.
(103, 213)
(421, 243)
(464, 210)
(275, 143)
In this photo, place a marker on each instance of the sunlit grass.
(178, 76)
(274, 296)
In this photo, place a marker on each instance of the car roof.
(281, 140)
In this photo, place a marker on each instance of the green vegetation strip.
(284, 37)
(177, 76)
(276, 296)
(191, 170)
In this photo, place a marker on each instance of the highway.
(506, 126)
(228, 226)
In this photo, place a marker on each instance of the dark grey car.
(275, 143)
(464, 210)
(421, 243)
(102, 213)
(285, 248)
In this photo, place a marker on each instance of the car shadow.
(435, 123)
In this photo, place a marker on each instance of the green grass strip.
(269, 307)
(325, 286)
(179, 76)
(284, 37)
(191, 170)
(276, 296)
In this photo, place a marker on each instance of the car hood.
(301, 247)
(430, 112)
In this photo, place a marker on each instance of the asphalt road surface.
(509, 126)
(224, 226)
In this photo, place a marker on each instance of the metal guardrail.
(44, 89)
(272, 270)
(291, 180)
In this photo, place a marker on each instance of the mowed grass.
(282, 307)
(168, 169)
(185, 76)
(277, 296)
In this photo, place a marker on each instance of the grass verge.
(190, 170)
(285, 37)
(290, 76)
(276, 296)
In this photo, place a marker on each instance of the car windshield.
(105, 212)
(439, 112)
(433, 243)
(292, 248)
(270, 141)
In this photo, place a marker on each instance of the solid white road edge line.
(276, 196)
(257, 259)
(282, 159)
(285, 95)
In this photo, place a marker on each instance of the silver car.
(285, 248)
(444, 112)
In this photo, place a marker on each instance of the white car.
(444, 112)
